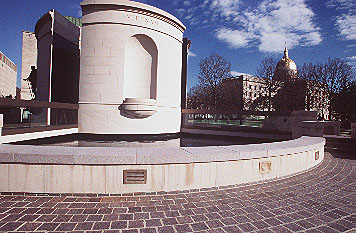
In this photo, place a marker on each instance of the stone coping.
(59, 155)
(151, 10)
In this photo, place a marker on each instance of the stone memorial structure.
(130, 69)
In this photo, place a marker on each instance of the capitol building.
(310, 97)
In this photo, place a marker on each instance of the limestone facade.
(8, 76)
(130, 77)
(253, 87)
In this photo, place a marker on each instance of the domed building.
(286, 70)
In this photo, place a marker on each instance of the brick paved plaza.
(320, 200)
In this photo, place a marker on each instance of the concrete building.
(130, 69)
(57, 61)
(29, 58)
(8, 76)
(253, 87)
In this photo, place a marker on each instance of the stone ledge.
(41, 169)
(28, 154)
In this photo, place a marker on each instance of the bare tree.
(336, 77)
(232, 95)
(311, 75)
(344, 105)
(325, 82)
(213, 70)
(195, 98)
(290, 96)
(266, 71)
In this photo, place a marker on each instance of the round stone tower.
(130, 69)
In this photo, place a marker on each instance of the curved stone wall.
(129, 51)
(51, 169)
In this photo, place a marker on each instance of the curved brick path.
(321, 200)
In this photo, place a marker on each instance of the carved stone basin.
(139, 107)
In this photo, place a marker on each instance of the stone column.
(353, 130)
(1, 125)
(296, 119)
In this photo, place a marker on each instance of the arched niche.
(140, 70)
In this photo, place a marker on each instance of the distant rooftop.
(7, 61)
(76, 21)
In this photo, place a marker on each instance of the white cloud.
(266, 26)
(284, 21)
(341, 4)
(352, 62)
(275, 42)
(191, 54)
(312, 38)
(272, 24)
(346, 24)
(181, 12)
(236, 73)
(227, 8)
(186, 3)
(234, 38)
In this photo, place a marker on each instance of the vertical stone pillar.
(297, 117)
(1, 125)
(353, 130)
(185, 49)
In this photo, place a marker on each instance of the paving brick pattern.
(320, 200)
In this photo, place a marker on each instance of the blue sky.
(243, 31)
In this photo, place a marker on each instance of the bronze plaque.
(135, 176)
(316, 155)
(265, 167)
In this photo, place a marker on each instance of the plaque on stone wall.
(265, 167)
(316, 155)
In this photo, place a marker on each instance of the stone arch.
(140, 69)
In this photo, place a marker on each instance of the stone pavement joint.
(322, 199)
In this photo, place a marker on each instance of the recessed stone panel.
(265, 167)
(316, 155)
(135, 177)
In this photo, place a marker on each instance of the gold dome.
(286, 62)
(286, 69)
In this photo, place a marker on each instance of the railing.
(232, 120)
(25, 116)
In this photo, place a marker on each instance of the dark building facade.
(58, 57)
